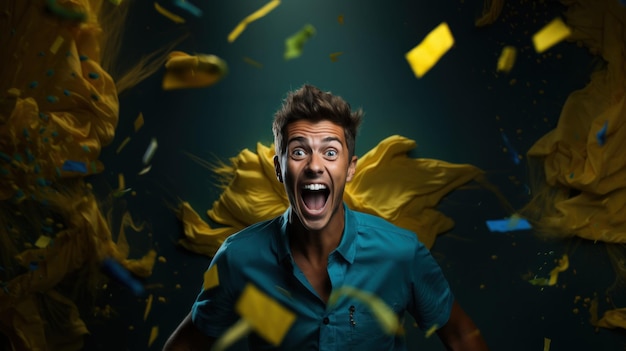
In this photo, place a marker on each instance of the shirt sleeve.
(214, 309)
(432, 299)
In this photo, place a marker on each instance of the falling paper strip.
(147, 156)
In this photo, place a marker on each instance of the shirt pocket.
(366, 332)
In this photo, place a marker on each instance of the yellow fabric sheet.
(387, 183)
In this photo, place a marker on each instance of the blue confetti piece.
(48, 229)
(66, 92)
(508, 224)
(601, 135)
(33, 84)
(93, 75)
(83, 57)
(43, 116)
(510, 149)
(55, 134)
(86, 148)
(52, 99)
(95, 97)
(17, 157)
(57, 171)
(74, 166)
(34, 266)
(189, 7)
(41, 54)
(26, 133)
(42, 182)
(37, 169)
(115, 270)
(42, 130)
(50, 72)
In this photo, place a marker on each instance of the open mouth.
(315, 196)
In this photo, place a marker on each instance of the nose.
(315, 165)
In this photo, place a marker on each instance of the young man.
(319, 245)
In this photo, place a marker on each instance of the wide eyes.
(300, 153)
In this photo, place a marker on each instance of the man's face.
(315, 168)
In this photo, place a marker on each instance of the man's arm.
(187, 337)
(460, 333)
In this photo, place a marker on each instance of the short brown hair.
(310, 103)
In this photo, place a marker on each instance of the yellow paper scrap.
(491, 12)
(120, 181)
(187, 71)
(138, 121)
(426, 54)
(57, 44)
(334, 57)
(546, 344)
(237, 331)
(145, 170)
(550, 35)
(431, 330)
(340, 19)
(154, 332)
(252, 62)
(43, 241)
(166, 13)
(554, 273)
(266, 316)
(507, 59)
(122, 145)
(148, 306)
(385, 316)
(211, 278)
(294, 45)
(251, 18)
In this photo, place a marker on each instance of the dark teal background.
(455, 113)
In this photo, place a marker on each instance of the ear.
(279, 173)
(351, 168)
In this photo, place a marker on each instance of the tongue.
(314, 200)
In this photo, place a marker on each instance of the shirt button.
(326, 320)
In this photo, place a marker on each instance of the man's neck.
(316, 246)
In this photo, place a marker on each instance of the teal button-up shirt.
(374, 256)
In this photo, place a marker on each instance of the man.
(319, 245)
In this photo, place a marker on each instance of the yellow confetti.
(120, 181)
(138, 121)
(166, 13)
(340, 19)
(122, 145)
(43, 241)
(385, 316)
(431, 330)
(550, 35)
(334, 57)
(145, 170)
(294, 45)
(546, 344)
(211, 278)
(562, 267)
(491, 12)
(192, 71)
(252, 62)
(251, 18)
(154, 332)
(426, 54)
(148, 306)
(57, 44)
(260, 313)
(507, 59)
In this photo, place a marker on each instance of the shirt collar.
(346, 248)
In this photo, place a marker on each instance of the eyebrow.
(326, 140)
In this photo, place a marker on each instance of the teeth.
(315, 187)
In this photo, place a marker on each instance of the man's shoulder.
(378, 228)
(252, 239)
